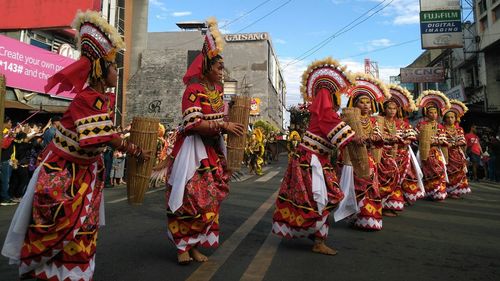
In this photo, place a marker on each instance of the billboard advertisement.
(440, 24)
(28, 67)
(31, 14)
(422, 74)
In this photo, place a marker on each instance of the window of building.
(483, 23)
(482, 6)
(496, 13)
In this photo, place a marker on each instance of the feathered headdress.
(213, 45)
(99, 42)
(433, 99)
(457, 107)
(402, 98)
(294, 134)
(325, 74)
(259, 136)
(370, 87)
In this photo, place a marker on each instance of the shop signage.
(422, 74)
(457, 93)
(246, 37)
(431, 5)
(441, 24)
(28, 67)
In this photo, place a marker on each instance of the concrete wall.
(156, 89)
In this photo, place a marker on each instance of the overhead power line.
(266, 15)
(383, 48)
(245, 14)
(343, 30)
(240, 17)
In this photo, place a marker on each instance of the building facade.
(156, 88)
(46, 44)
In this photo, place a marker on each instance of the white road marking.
(267, 176)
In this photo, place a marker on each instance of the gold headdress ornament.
(433, 99)
(457, 107)
(370, 87)
(325, 74)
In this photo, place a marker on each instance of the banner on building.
(457, 93)
(31, 14)
(28, 67)
(441, 24)
(255, 106)
(422, 74)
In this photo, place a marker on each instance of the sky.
(385, 31)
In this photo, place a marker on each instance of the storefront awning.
(54, 108)
(17, 105)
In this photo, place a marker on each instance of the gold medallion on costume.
(215, 99)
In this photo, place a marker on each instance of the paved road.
(453, 240)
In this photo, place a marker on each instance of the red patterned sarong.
(296, 214)
(434, 175)
(196, 222)
(60, 243)
(458, 184)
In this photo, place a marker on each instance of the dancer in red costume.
(310, 188)
(395, 110)
(197, 174)
(458, 184)
(53, 234)
(366, 95)
(433, 104)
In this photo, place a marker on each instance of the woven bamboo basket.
(377, 152)
(144, 133)
(424, 141)
(358, 154)
(239, 112)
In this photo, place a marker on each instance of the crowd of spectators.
(483, 152)
(21, 145)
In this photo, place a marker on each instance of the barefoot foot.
(321, 248)
(197, 256)
(184, 258)
(389, 213)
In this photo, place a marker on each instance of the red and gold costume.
(310, 188)
(194, 197)
(367, 189)
(64, 197)
(406, 174)
(388, 172)
(457, 162)
(409, 169)
(434, 167)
